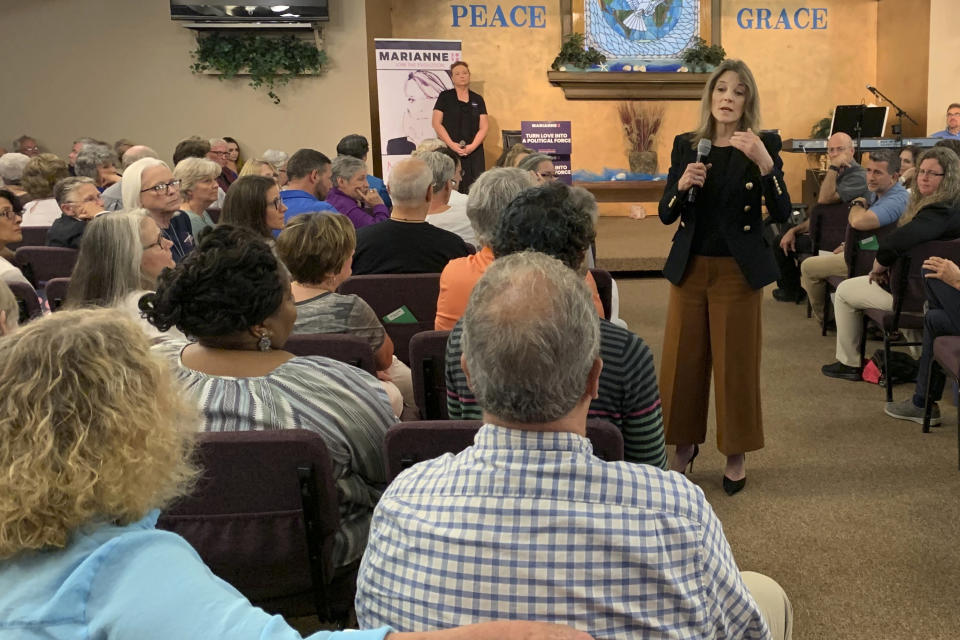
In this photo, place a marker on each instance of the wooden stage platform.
(625, 244)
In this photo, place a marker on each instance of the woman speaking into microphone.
(720, 175)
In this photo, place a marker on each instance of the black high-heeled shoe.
(688, 468)
(733, 486)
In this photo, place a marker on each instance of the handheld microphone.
(703, 150)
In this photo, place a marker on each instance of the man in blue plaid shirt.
(526, 523)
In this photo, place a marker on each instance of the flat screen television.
(256, 11)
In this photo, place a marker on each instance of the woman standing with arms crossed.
(460, 120)
(717, 267)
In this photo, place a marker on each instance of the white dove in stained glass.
(641, 8)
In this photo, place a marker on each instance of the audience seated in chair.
(99, 163)
(26, 145)
(259, 167)
(489, 196)
(120, 259)
(308, 173)
(254, 203)
(931, 215)
(845, 180)
(278, 160)
(149, 183)
(405, 243)
(527, 522)
(545, 220)
(80, 201)
(941, 319)
(317, 249)
(884, 204)
(98, 454)
(10, 217)
(357, 146)
(352, 196)
(234, 298)
(219, 152)
(113, 195)
(198, 191)
(39, 176)
(445, 213)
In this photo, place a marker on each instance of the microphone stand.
(859, 131)
(901, 114)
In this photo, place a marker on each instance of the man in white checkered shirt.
(526, 523)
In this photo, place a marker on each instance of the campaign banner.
(410, 76)
(553, 138)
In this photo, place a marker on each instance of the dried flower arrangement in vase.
(641, 123)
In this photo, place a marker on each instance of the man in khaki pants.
(888, 200)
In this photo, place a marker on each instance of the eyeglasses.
(9, 214)
(163, 187)
(220, 153)
(546, 174)
(158, 243)
(927, 172)
(275, 203)
(953, 114)
(33, 148)
(833, 149)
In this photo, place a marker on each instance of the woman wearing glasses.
(10, 218)
(149, 183)
(541, 166)
(932, 214)
(254, 203)
(121, 256)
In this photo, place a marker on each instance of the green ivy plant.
(699, 56)
(271, 61)
(574, 53)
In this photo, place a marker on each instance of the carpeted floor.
(624, 244)
(856, 514)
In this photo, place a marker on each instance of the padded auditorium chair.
(56, 292)
(408, 443)
(946, 355)
(40, 264)
(859, 263)
(909, 296)
(605, 288)
(828, 226)
(387, 294)
(344, 347)
(27, 301)
(263, 517)
(428, 351)
(32, 237)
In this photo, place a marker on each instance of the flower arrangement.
(641, 124)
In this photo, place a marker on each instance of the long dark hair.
(246, 204)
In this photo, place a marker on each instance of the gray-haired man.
(527, 523)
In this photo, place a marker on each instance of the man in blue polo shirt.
(308, 173)
(357, 146)
(883, 205)
(952, 132)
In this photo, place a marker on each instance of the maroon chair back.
(605, 288)
(32, 237)
(428, 356)
(41, 264)
(860, 260)
(263, 517)
(344, 347)
(408, 443)
(388, 293)
(27, 301)
(56, 292)
(909, 292)
(828, 225)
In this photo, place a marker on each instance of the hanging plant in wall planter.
(575, 56)
(701, 58)
(270, 61)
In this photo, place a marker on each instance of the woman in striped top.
(235, 298)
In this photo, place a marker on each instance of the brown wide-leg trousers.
(713, 321)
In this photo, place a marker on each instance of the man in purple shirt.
(352, 196)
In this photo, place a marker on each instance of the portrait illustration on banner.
(641, 31)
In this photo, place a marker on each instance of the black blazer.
(738, 209)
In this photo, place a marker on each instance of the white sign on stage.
(410, 76)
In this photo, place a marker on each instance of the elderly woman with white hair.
(444, 211)
(278, 160)
(351, 194)
(149, 183)
(11, 172)
(99, 163)
(198, 190)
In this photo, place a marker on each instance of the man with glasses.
(952, 132)
(219, 153)
(27, 146)
(80, 201)
(844, 181)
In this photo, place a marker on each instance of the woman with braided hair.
(233, 296)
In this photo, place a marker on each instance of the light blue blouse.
(131, 582)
